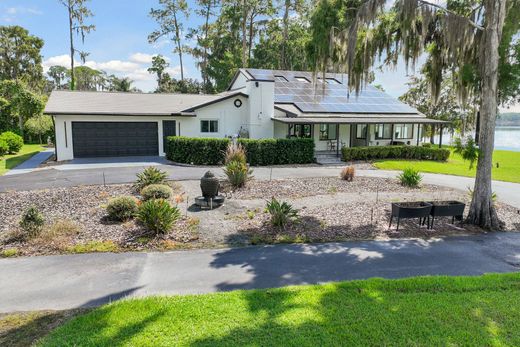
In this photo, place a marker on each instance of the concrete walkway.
(32, 163)
(71, 176)
(69, 281)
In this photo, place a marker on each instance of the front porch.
(330, 135)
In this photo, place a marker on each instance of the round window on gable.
(237, 103)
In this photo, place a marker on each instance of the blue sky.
(119, 45)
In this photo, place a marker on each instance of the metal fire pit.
(209, 185)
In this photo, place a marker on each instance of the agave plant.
(281, 212)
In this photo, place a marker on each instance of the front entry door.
(169, 129)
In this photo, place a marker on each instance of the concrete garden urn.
(209, 185)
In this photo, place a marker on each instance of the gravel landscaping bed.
(84, 208)
(358, 220)
(302, 187)
(330, 210)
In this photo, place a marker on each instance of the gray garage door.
(114, 139)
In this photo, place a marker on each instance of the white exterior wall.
(63, 125)
(260, 109)
(230, 120)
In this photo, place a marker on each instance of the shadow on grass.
(23, 329)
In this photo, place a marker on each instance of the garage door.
(114, 139)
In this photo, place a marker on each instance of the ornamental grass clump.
(410, 177)
(281, 213)
(348, 173)
(150, 175)
(235, 152)
(121, 208)
(236, 169)
(156, 191)
(158, 216)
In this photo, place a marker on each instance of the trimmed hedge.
(196, 150)
(395, 152)
(210, 151)
(278, 151)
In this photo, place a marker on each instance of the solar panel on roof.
(328, 97)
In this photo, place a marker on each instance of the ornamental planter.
(407, 210)
(454, 209)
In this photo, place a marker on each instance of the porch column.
(393, 134)
(440, 136)
(350, 126)
(337, 140)
(367, 134)
(418, 133)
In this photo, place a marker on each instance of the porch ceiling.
(364, 119)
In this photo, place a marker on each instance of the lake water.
(506, 138)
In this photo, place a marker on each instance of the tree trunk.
(178, 41)
(244, 33)
(285, 35)
(482, 211)
(204, 72)
(71, 37)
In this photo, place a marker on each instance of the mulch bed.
(85, 207)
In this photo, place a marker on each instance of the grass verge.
(422, 311)
(10, 161)
(508, 166)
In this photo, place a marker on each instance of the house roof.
(329, 93)
(116, 103)
(219, 97)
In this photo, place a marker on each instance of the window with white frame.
(403, 131)
(208, 126)
(383, 131)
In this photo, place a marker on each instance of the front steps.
(328, 158)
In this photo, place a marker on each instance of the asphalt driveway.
(69, 281)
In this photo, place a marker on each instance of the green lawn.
(508, 170)
(424, 311)
(9, 161)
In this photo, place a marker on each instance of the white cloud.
(136, 68)
(60, 60)
(10, 14)
(113, 65)
(142, 58)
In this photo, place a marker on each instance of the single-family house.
(258, 104)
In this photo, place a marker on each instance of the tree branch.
(472, 23)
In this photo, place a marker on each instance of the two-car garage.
(114, 139)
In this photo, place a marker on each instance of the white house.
(257, 104)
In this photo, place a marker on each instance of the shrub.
(348, 173)
(32, 221)
(281, 213)
(410, 177)
(10, 252)
(235, 152)
(196, 151)
(150, 175)
(278, 151)
(122, 208)
(212, 151)
(238, 173)
(158, 216)
(156, 191)
(468, 150)
(4, 147)
(14, 141)
(395, 152)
